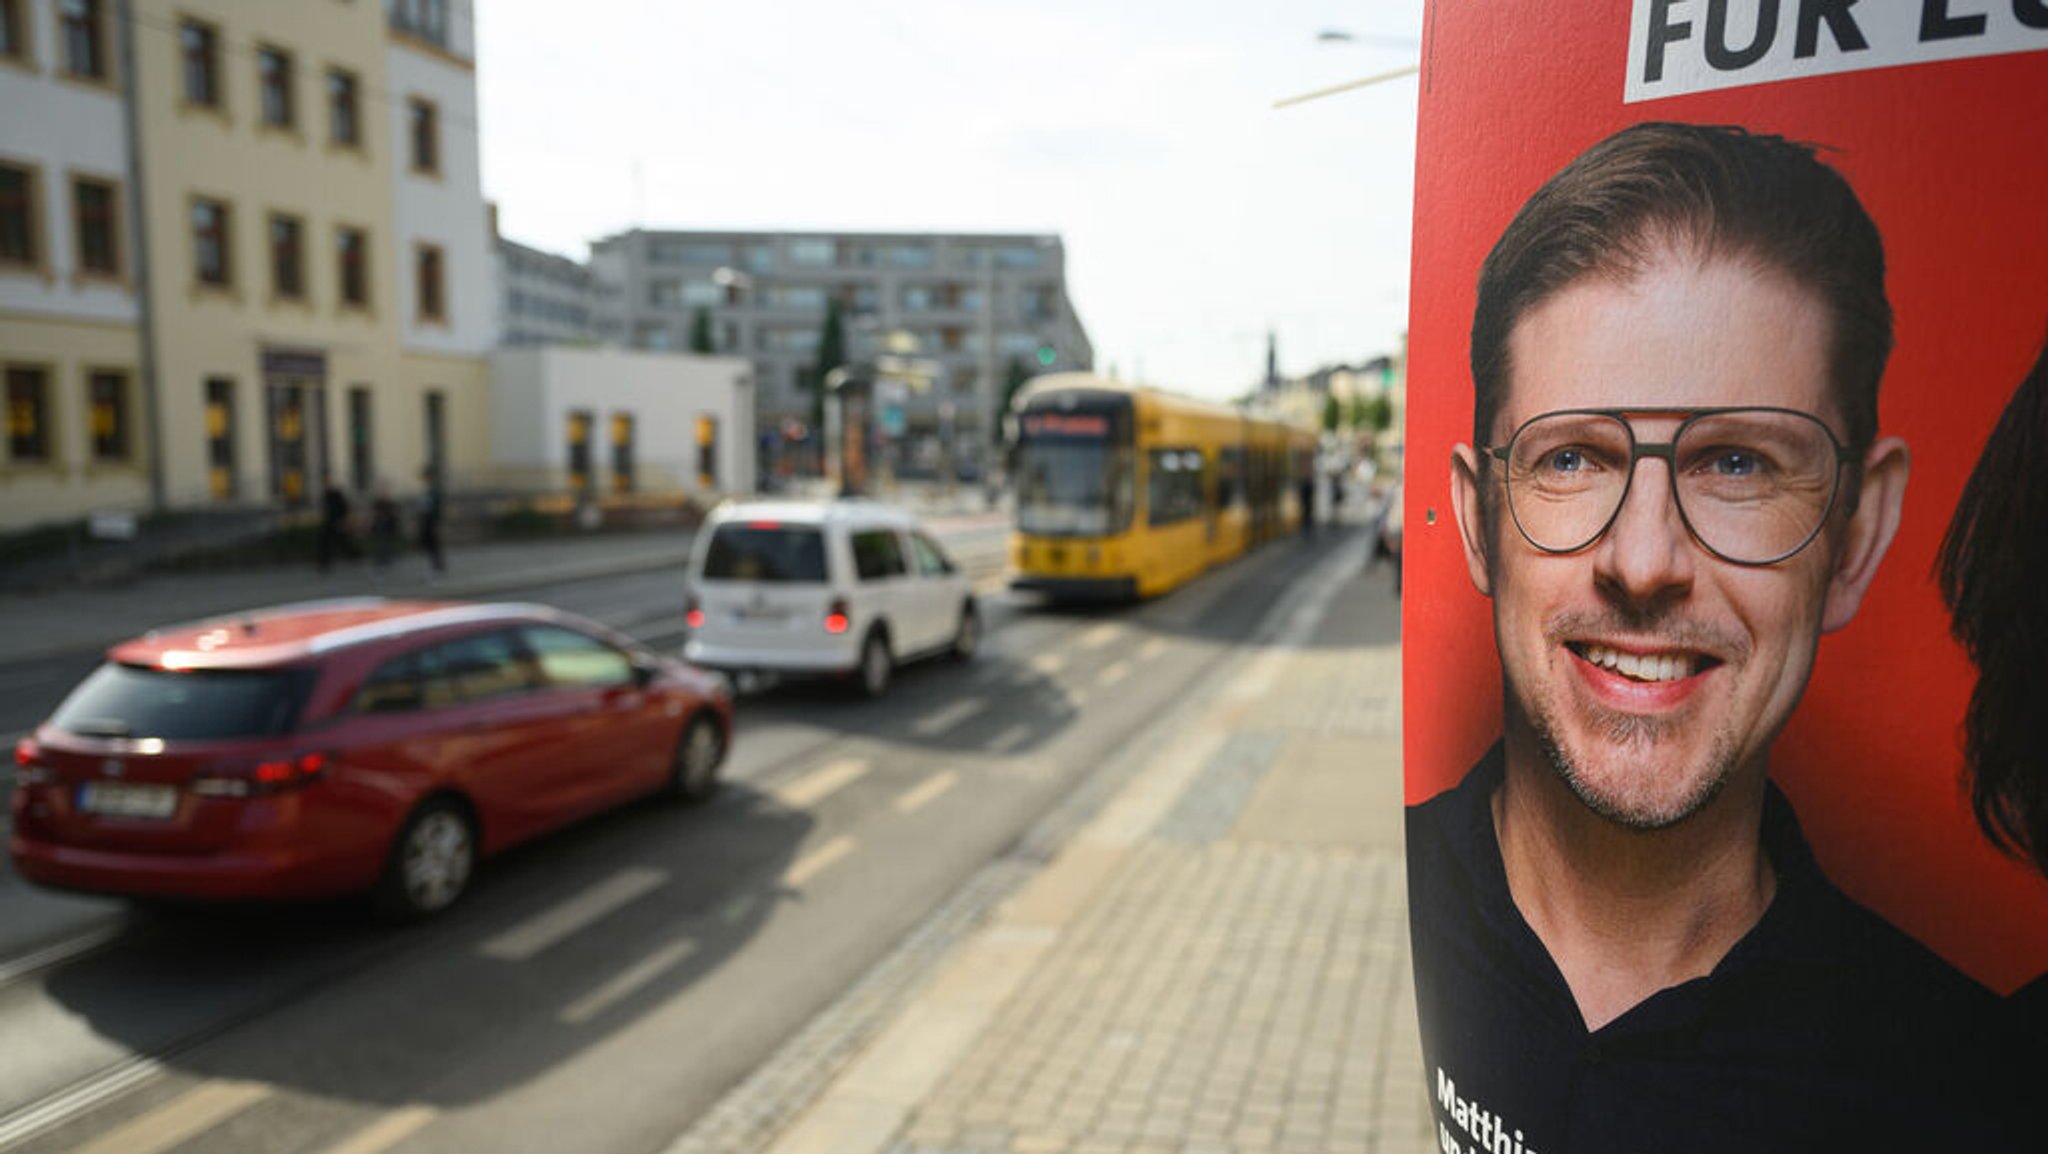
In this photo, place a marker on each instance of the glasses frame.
(1666, 451)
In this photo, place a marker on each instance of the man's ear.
(1471, 517)
(1870, 531)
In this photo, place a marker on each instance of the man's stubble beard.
(1635, 738)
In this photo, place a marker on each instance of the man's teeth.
(1638, 667)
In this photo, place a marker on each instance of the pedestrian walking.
(334, 537)
(1305, 489)
(385, 532)
(430, 519)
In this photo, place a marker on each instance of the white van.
(834, 587)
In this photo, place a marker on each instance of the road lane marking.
(1152, 649)
(735, 911)
(57, 952)
(817, 861)
(1011, 738)
(924, 794)
(629, 982)
(546, 928)
(1113, 674)
(1048, 664)
(385, 1132)
(197, 1110)
(820, 783)
(1101, 635)
(933, 724)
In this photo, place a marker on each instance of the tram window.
(1229, 478)
(1074, 487)
(1173, 488)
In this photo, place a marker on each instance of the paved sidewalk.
(1217, 963)
(65, 621)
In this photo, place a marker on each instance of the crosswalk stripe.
(927, 792)
(629, 982)
(385, 1132)
(817, 861)
(197, 1110)
(820, 783)
(549, 926)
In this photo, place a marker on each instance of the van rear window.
(785, 553)
(198, 705)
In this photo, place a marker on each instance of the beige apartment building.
(300, 183)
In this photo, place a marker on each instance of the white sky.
(1195, 215)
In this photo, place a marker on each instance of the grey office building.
(956, 307)
(543, 299)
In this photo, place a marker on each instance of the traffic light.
(1047, 355)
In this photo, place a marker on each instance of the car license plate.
(111, 799)
(762, 616)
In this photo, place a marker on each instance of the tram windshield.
(1074, 486)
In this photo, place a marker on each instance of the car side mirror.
(644, 669)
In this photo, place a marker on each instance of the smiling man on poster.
(1676, 486)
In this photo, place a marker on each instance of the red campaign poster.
(1548, 1024)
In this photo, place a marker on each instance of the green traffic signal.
(1047, 355)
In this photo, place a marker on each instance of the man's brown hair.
(1713, 191)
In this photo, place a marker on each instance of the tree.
(831, 355)
(1360, 415)
(700, 331)
(1013, 379)
(1331, 413)
(1380, 413)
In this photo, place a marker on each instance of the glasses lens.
(1755, 485)
(1567, 473)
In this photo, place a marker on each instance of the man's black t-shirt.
(1824, 1028)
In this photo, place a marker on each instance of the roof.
(295, 632)
(845, 510)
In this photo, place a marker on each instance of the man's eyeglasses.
(1753, 485)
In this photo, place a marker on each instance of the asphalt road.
(598, 989)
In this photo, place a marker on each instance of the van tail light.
(693, 612)
(28, 763)
(835, 617)
(262, 778)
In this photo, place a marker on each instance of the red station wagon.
(334, 747)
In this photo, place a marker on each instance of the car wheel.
(693, 775)
(431, 861)
(876, 665)
(967, 637)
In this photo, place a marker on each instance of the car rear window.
(790, 553)
(194, 705)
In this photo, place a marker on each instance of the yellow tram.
(1127, 492)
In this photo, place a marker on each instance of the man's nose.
(1647, 552)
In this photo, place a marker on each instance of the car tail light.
(28, 763)
(262, 778)
(835, 617)
(693, 612)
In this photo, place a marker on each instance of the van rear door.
(762, 586)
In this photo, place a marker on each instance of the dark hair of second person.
(1993, 571)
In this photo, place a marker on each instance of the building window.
(85, 52)
(28, 416)
(14, 31)
(813, 252)
(202, 63)
(287, 258)
(622, 452)
(423, 130)
(343, 128)
(95, 207)
(274, 80)
(426, 19)
(212, 261)
(352, 260)
(362, 468)
(908, 256)
(107, 406)
(220, 438)
(20, 237)
(433, 304)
